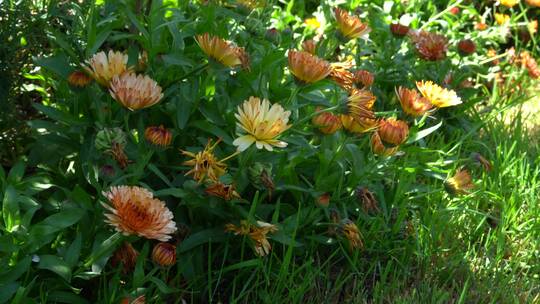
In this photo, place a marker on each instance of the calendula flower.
(135, 92)
(262, 123)
(103, 67)
(438, 96)
(393, 131)
(308, 68)
(367, 199)
(164, 254)
(363, 78)
(529, 63)
(350, 231)
(466, 47)
(412, 103)
(126, 256)
(430, 46)
(501, 18)
(312, 22)
(226, 192)
(460, 183)
(509, 3)
(341, 75)
(205, 165)
(257, 233)
(480, 26)
(535, 3)
(326, 122)
(323, 200)
(360, 105)
(135, 211)
(378, 147)
(399, 30)
(349, 26)
(159, 136)
(309, 46)
(79, 79)
(357, 126)
(223, 51)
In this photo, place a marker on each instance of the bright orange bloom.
(357, 126)
(379, 148)
(159, 136)
(430, 46)
(480, 26)
(308, 68)
(342, 76)
(135, 91)
(326, 122)
(438, 96)
(350, 26)
(393, 131)
(164, 254)
(411, 102)
(223, 51)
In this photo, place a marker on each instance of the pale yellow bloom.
(501, 18)
(223, 51)
(509, 3)
(103, 67)
(438, 96)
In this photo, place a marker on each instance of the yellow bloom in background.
(312, 22)
(205, 165)
(262, 123)
(135, 211)
(412, 103)
(438, 96)
(509, 3)
(350, 26)
(306, 67)
(103, 67)
(257, 233)
(501, 18)
(223, 51)
(460, 183)
(135, 91)
(533, 26)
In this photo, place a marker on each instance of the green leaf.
(74, 251)
(202, 237)
(56, 265)
(423, 133)
(53, 224)
(10, 209)
(65, 297)
(7, 291)
(163, 288)
(58, 115)
(58, 64)
(176, 192)
(16, 173)
(13, 273)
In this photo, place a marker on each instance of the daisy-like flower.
(460, 183)
(135, 211)
(412, 103)
(205, 165)
(430, 46)
(363, 78)
(393, 131)
(226, 192)
(79, 79)
(257, 233)
(223, 51)
(501, 18)
(103, 67)
(509, 3)
(135, 92)
(438, 96)
(262, 123)
(308, 68)
(326, 122)
(350, 231)
(349, 26)
(158, 135)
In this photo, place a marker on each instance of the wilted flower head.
(103, 67)
(393, 131)
(158, 135)
(79, 79)
(226, 192)
(509, 3)
(262, 123)
(135, 91)
(164, 254)
(261, 176)
(309, 46)
(205, 165)
(342, 76)
(481, 160)
(308, 68)
(350, 231)
(360, 105)
(223, 51)
(399, 30)
(349, 26)
(257, 233)
(367, 199)
(411, 102)
(460, 183)
(438, 96)
(363, 78)
(501, 18)
(430, 46)
(378, 147)
(126, 255)
(134, 210)
(466, 47)
(326, 122)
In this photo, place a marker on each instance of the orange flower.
(430, 46)
(205, 165)
(363, 78)
(135, 91)
(460, 183)
(226, 192)
(138, 300)
(349, 26)
(393, 131)
(438, 96)
(164, 254)
(223, 51)
(352, 125)
(466, 47)
(379, 148)
(399, 30)
(125, 255)
(341, 75)
(326, 122)
(159, 136)
(257, 233)
(480, 26)
(309, 46)
(411, 102)
(535, 3)
(103, 67)
(360, 105)
(79, 79)
(350, 231)
(308, 68)
(134, 210)
(323, 200)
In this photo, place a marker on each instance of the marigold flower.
(135, 92)
(379, 148)
(350, 26)
(501, 18)
(460, 183)
(352, 125)
(411, 102)
(367, 199)
(205, 165)
(223, 51)
(308, 68)
(257, 233)
(126, 255)
(360, 105)
(509, 3)
(103, 67)
(535, 3)
(466, 47)
(480, 26)
(134, 210)
(342, 76)
(262, 122)
(363, 78)
(164, 254)
(226, 192)
(79, 79)
(438, 96)
(309, 46)
(430, 46)
(159, 136)
(323, 200)
(393, 131)
(399, 30)
(326, 122)
(350, 231)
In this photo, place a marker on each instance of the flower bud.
(379, 148)
(363, 78)
(273, 36)
(126, 255)
(466, 47)
(79, 79)
(164, 254)
(393, 131)
(327, 122)
(323, 200)
(159, 136)
(399, 30)
(310, 46)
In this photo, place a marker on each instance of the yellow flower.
(411, 102)
(306, 67)
(159, 136)
(257, 233)
(134, 210)
(501, 18)
(509, 3)
(135, 91)
(205, 165)
(223, 51)
(350, 26)
(460, 183)
(262, 123)
(312, 22)
(438, 96)
(103, 67)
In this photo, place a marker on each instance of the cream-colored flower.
(306, 67)
(135, 91)
(437, 95)
(262, 123)
(103, 67)
(350, 26)
(134, 210)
